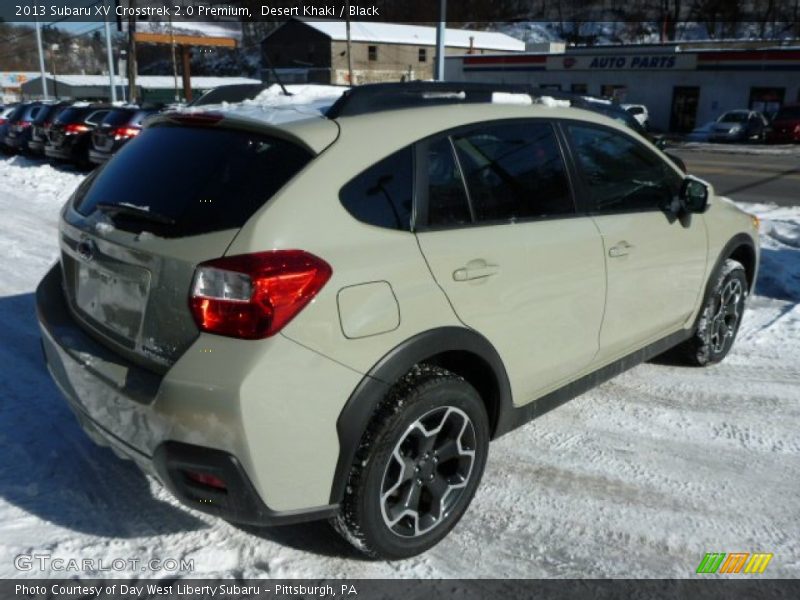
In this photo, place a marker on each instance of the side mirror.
(661, 143)
(694, 195)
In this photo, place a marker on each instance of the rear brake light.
(254, 296)
(121, 132)
(199, 118)
(75, 128)
(206, 479)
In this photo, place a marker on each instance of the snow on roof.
(395, 33)
(151, 81)
(274, 107)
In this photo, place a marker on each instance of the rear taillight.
(75, 128)
(206, 479)
(24, 124)
(3, 121)
(125, 132)
(797, 128)
(253, 296)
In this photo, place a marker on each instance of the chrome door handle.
(620, 249)
(475, 270)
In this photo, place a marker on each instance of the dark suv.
(37, 133)
(119, 127)
(19, 123)
(70, 135)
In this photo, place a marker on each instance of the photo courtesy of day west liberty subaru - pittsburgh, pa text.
(198, 10)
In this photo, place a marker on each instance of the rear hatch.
(135, 230)
(103, 136)
(74, 115)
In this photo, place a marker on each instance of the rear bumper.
(98, 157)
(239, 418)
(58, 152)
(13, 142)
(36, 147)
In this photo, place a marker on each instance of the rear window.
(193, 180)
(118, 117)
(32, 112)
(733, 117)
(72, 114)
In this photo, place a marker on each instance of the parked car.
(70, 135)
(8, 112)
(740, 126)
(7, 117)
(19, 128)
(41, 126)
(639, 112)
(305, 320)
(118, 127)
(236, 92)
(785, 128)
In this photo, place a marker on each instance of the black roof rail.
(377, 97)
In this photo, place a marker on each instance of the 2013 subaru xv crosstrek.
(331, 317)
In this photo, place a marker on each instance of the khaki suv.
(330, 316)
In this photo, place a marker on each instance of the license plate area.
(115, 300)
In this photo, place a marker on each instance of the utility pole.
(349, 47)
(174, 60)
(41, 59)
(110, 57)
(439, 75)
(132, 53)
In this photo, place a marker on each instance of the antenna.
(275, 75)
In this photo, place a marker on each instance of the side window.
(447, 199)
(620, 173)
(382, 194)
(514, 171)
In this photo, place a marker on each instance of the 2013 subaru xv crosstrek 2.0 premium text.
(331, 317)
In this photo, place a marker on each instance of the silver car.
(740, 126)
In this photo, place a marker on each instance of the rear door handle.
(621, 249)
(475, 269)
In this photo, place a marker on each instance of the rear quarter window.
(382, 195)
(194, 179)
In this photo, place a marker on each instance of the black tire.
(717, 325)
(425, 395)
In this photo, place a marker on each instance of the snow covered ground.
(637, 478)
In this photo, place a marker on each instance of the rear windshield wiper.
(135, 212)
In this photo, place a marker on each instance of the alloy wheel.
(427, 472)
(726, 318)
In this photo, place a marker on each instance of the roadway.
(756, 177)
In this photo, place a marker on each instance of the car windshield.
(733, 117)
(788, 113)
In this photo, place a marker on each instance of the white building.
(682, 87)
(11, 84)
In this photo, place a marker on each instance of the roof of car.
(315, 118)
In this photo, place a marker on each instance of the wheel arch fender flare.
(361, 405)
(739, 243)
